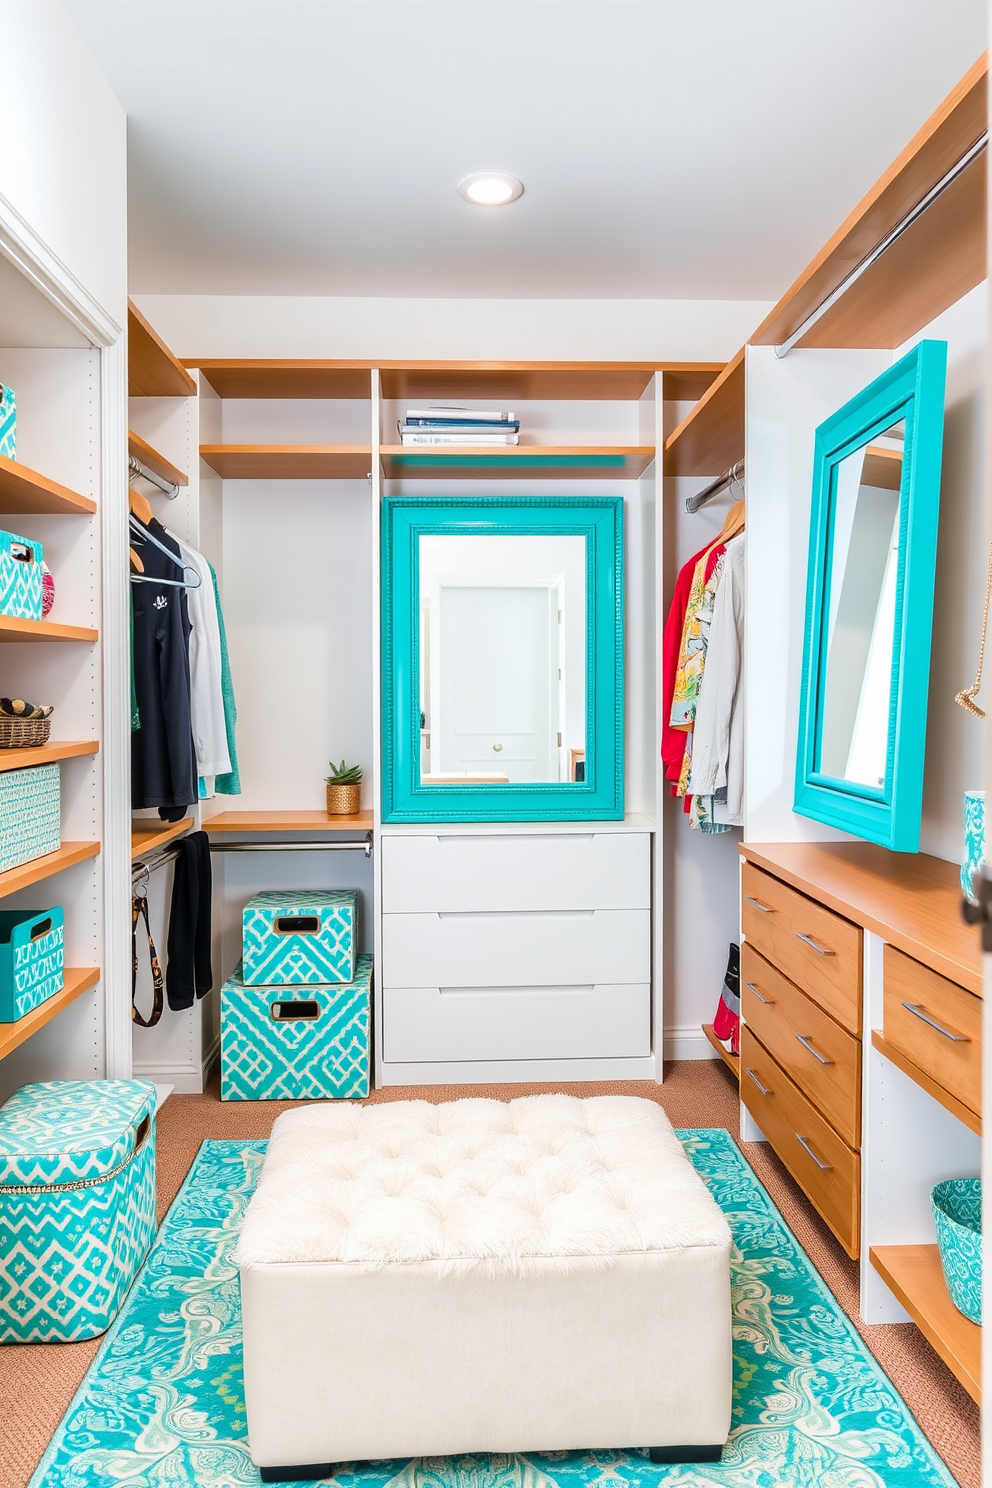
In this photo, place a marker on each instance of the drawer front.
(543, 948)
(592, 870)
(816, 949)
(826, 1169)
(429, 1025)
(950, 1052)
(819, 1056)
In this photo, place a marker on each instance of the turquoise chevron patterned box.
(8, 422)
(309, 1043)
(77, 1205)
(20, 577)
(31, 959)
(294, 937)
(30, 814)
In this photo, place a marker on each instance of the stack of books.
(464, 426)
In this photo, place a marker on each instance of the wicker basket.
(344, 800)
(23, 733)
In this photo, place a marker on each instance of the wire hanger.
(147, 536)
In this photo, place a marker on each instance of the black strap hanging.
(139, 907)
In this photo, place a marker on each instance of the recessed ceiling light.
(490, 188)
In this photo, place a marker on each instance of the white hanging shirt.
(718, 735)
(206, 695)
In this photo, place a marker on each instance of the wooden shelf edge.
(724, 395)
(153, 372)
(38, 493)
(45, 754)
(157, 834)
(143, 451)
(943, 1097)
(732, 1061)
(77, 980)
(913, 1273)
(287, 821)
(12, 629)
(26, 874)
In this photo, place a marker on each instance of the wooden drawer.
(543, 948)
(816, 949)
(539, 870)
(434, 1025)
(819, 1056)
(826, 1169)
(936, 1024)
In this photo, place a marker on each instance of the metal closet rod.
(735, 473)
(364, 846)
(896, 233)
(137, 467)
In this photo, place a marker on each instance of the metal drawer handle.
(754, 1079)
(765, 908)
(823, 1167)
(810, 1049)
(768, 1001)
(917, 1011)
(820, 950)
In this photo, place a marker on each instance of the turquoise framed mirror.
(502, 659)
(869, 605)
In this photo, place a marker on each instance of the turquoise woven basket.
(957, 1211)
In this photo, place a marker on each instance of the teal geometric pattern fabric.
(30, 969)
(163, 1403)
(268, 1057)
(30, 814)
(20, 577)
(77, 1206)
(323, 953)
(957, 1213)
(8, 422)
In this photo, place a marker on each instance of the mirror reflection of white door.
(494, 663)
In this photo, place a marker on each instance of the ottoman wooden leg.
(673, 1455)
(304, 1472)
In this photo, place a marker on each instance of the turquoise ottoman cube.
(31, 959)
(292, 938)
(77, 1205)
(300, 1043)
(30, 814)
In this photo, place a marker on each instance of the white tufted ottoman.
(480, 1276)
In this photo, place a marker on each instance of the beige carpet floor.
(37, 1381)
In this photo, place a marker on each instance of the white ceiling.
(669, 148)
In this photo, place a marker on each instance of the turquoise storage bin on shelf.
(31, 959)
(8, 422)
(20, 577)
(973, 856)
(292, 938)
(77, 1205)
(300, 1043)
(957, 1212)
(30, 814)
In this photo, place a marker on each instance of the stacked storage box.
(296, 1013)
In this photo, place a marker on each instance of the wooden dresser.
(852, 953)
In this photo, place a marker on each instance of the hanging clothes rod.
(137, 467)
(913, 215)
(142, 867)
(729, 477)
(364, 846)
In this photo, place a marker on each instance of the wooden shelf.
(732, 1061)
(523, 381)
(44, 754)
(147, 834)
(710, 439)
(286, 379)
(143, 451)
(76, 981)
(914, 1274)
(152, 370)
(287, 821)
(919, 1077)
(516, 462)
(43, 630)
(24, 490)
(288, 461)
(67, 856)
(931, 265)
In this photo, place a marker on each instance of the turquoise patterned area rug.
(163, 1407)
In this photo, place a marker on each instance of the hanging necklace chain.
(966, 698)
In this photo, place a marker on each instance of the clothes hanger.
(136, 562)
(140, 506)
(136, 526)
(733, 523)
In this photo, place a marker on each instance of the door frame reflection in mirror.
(404, 520)
(912, 389)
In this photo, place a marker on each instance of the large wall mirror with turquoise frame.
(869, 605)
(502, 659)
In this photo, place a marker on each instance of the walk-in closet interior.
(492, 743)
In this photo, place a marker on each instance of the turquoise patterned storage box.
(8, 422)
(77, 1205)
(31, 959)
(30, 814)
(292, 937)
(302, 1044)
(20, 577)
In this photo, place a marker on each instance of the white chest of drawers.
(515, 956)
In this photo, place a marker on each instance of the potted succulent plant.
(344, 789)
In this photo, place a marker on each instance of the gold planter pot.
(344, 800)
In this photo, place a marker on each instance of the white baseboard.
(184, 1079)
(688, 1043)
